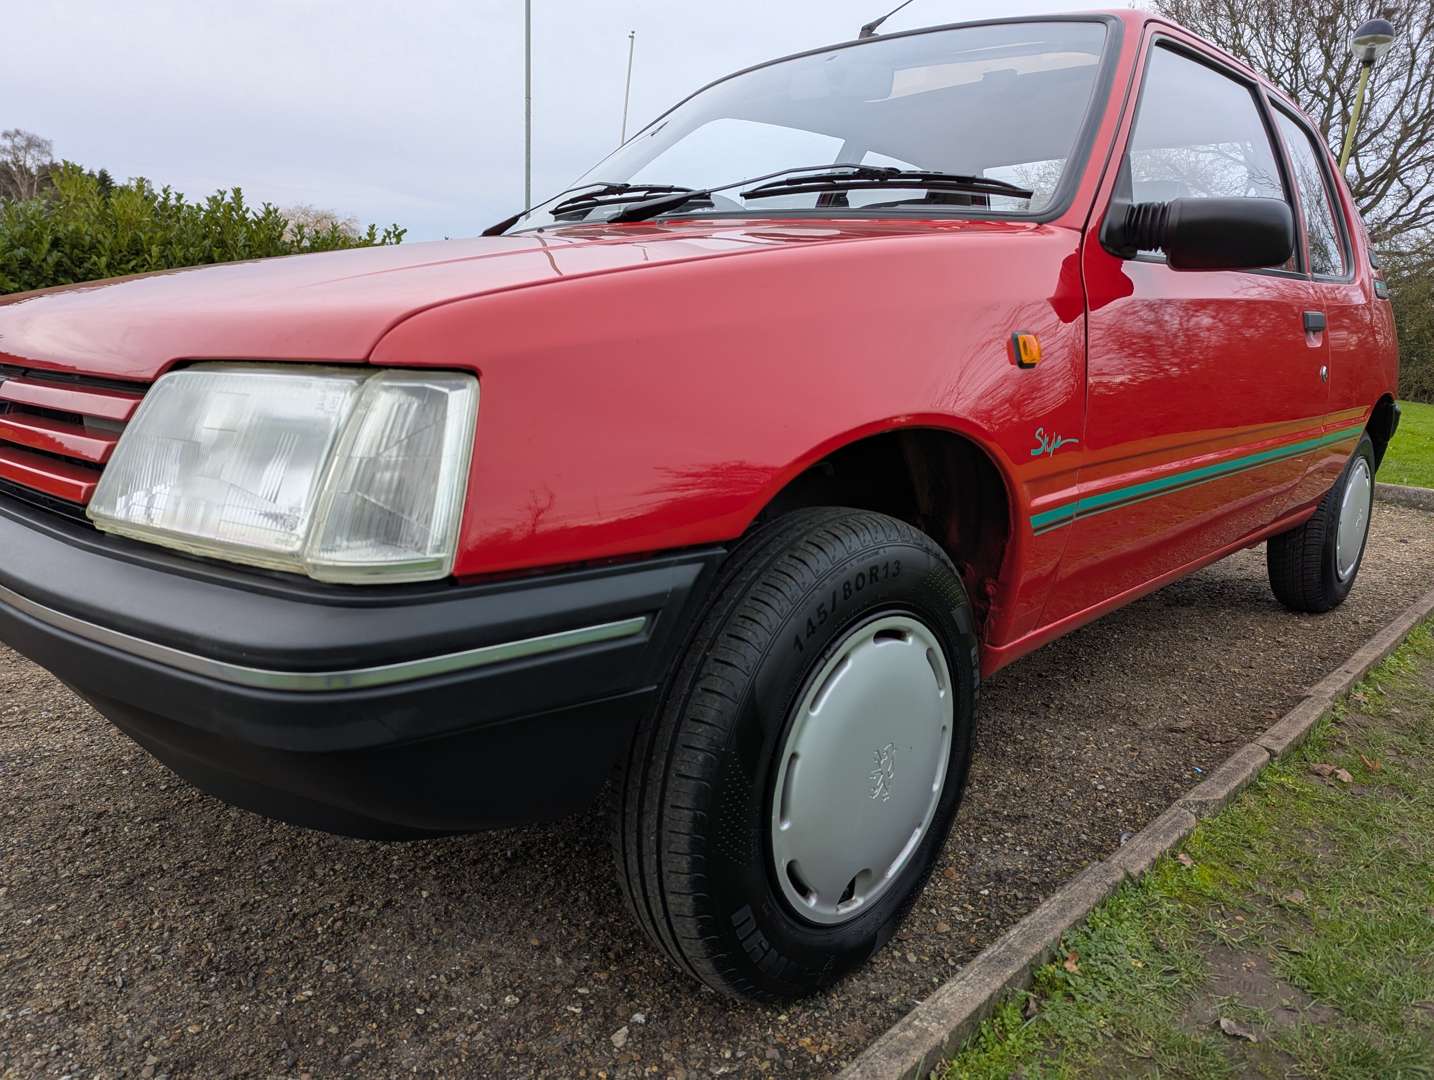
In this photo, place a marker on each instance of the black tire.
(691, 826)
(1302, 562)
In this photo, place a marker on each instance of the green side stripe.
(1111, 500)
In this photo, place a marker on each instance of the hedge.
(1411, 285)
(76, 231)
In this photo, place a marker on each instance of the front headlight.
(343, 475)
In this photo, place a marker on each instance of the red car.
(849, 380)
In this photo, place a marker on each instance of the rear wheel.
(1313, 566)
(778, 816)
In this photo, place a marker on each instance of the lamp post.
(1371, 41)
(627, 93)
(527, 102)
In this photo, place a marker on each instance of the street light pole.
(1371, 41)
(527, 102)
(1349, 130)
(627, 93)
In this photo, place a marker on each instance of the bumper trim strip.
(323, 681)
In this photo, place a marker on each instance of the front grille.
(57, 432)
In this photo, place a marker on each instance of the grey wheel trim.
(1354, 508)
(862, 768)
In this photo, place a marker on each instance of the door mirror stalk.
(1203, 234)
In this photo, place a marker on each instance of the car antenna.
(869, 30)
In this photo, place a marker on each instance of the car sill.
(322, 681)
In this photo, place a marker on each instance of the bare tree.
(1303, 46)
(314, 219)
(25, 159)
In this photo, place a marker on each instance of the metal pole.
(1354, 116)
(627, 93)
(527, 102)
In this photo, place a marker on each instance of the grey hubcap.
(861, 772)
(1353, 519)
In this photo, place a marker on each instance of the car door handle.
(1314, 322)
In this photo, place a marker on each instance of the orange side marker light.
(1025, 350)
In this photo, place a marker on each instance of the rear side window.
(1326, 242)
(1199, 134)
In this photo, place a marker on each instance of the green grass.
(1329, 887)
(1410, 458)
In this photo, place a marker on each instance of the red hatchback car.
(1008, 324)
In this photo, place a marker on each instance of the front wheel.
(1313, 566)
(778, 816)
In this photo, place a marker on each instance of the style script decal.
(1049, 444)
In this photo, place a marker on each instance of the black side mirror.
(1203, 234)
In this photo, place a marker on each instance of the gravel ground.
(148, 930)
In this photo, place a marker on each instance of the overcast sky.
(408, 112)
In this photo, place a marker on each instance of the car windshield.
(1005, 101)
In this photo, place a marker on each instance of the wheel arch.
(1381, 427)
(944, 482)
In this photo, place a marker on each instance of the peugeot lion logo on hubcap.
(882, 776)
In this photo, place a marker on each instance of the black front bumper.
(384, 712)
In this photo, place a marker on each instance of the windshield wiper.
(588, 200)
(876, 178)
(613, 194)
(604, 186)
(813, 178)
(837, 177)
(663, 204)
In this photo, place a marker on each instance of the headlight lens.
(394, 496)
(345, 476)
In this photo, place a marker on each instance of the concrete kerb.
(937, 1027)
(1418, 498)
(1294, 727)
(1140, 852)
(1229, 779)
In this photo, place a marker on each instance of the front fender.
(662, 408)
